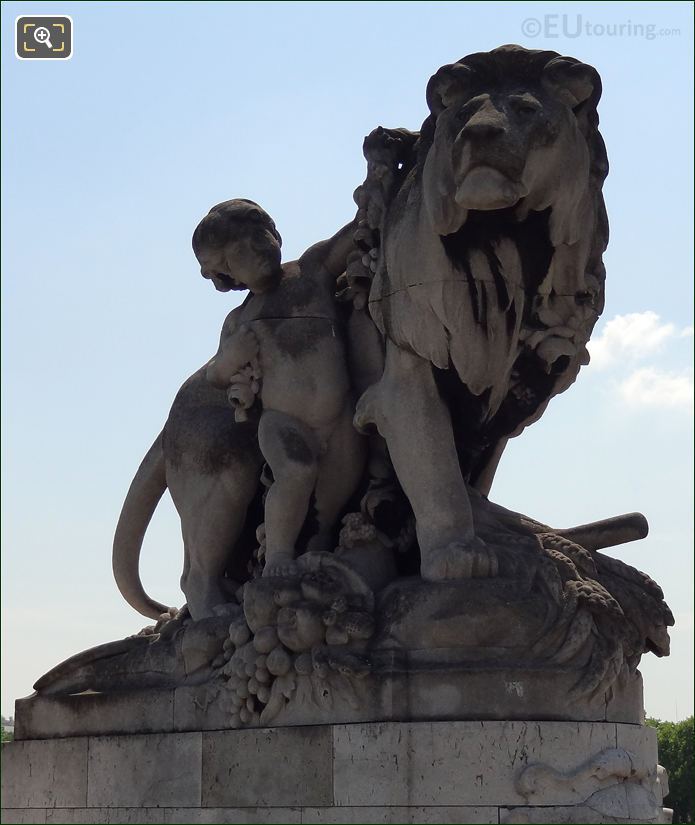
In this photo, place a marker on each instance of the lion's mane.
(503, 339)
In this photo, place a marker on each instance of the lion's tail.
(144, 494)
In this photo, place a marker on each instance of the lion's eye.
(525, 105)
(469, 107)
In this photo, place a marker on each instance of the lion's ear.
(571, 82)
(451, 84)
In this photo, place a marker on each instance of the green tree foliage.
(676, 755)
(6, 735)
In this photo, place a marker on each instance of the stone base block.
(472, 772)
(419, 692)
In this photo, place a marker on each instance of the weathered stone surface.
(44, 774)
(490, 617)
(198, 708)
(625, 701)
(388, 772)
(283, 767)
(483, 693)
(455, 763)
(24, 816)
(145, 771)
(434, 814)
(46, 717)
(375, 697)
(550, 815)
(108, 816)
(424, 691)
(628, 800)
(236, 815)
(371, 764)
(604, 770)
(175, 816)
(640, 741)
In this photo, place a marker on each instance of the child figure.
(285, 345)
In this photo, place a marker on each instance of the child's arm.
(331, 254)
(238, 347)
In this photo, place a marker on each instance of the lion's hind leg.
(213, 511)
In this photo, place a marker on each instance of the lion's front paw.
(460, 560)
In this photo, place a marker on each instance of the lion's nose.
(487, 122)
(486, 129)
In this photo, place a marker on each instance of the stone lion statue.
(468, 286)
(487, 231)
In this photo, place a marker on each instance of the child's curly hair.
(229, 219)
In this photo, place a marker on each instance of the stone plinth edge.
(489, 771)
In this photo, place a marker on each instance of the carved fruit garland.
(301, 639)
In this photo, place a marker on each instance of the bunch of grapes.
(252, 665)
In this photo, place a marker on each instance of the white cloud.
(687, 332)
(628, 337)
(650, 387)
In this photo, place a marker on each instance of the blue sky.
(111, 158)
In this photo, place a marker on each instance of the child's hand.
(244, 345)
(240, 349)
(241, 397)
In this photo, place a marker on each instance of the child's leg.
(291, 450)
(340, 470)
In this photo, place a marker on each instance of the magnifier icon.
(42, 35)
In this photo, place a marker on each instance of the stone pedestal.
(465, 772)
(420, 694)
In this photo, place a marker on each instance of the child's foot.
(282, 567)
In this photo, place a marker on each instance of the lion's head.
(503, 129)
(491, 247)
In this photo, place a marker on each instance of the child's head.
(238, 246)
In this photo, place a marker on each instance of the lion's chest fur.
(459, 308)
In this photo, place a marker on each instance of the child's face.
(249, 260)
